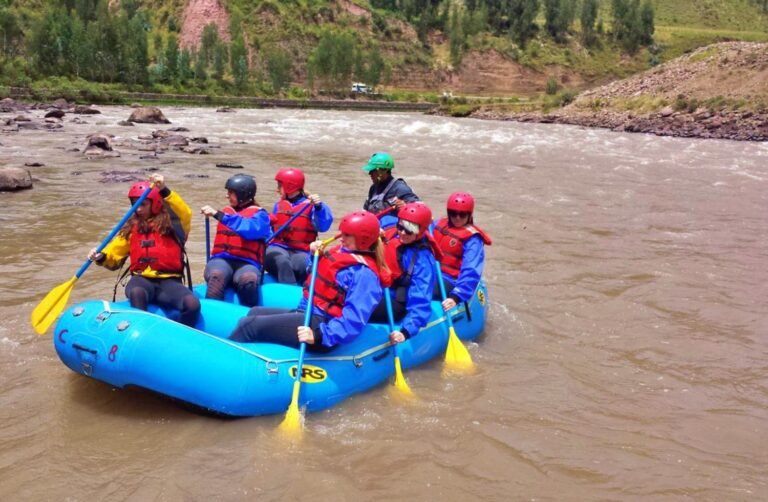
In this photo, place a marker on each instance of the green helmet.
(379, 160)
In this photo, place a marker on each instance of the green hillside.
(296, 47)
(734, 15)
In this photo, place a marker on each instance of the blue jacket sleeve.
(363, 295)
(419, 297)
(388, 220)
(471, 269)
(255, 228)
(322, 217)
(402, 191)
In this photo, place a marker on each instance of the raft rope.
(355, 358)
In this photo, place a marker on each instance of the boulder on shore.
(14, 178)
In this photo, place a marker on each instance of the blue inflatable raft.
(125, 347)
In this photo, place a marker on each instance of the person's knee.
(217, 283)
(138, 297)
(248, 279)
(190, 303)
(248, 288)
(244, 332)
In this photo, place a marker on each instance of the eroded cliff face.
(197, 15)
(484, 73)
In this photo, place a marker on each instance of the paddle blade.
(292, 425)
(51, 306)
(400, 383)
(457, 358)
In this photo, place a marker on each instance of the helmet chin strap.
(241, 205)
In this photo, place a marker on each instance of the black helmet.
(243, 186)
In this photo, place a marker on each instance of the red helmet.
(137, 190)
(461, 202)
(291, 178)
(363, 226)
(418, 213)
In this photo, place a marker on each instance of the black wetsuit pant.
(273, 325)
(169, 294)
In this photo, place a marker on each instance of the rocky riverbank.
(719, 91)
(701, 123)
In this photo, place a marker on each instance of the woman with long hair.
(153, 240)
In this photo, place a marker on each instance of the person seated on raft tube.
(410, 253)
(153, 239)
(287, 254)
(347, 289)
(238, 249)
(387, 193)
(462, 244)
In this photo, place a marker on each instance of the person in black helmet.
(238, 250)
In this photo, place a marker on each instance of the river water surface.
(625, 355)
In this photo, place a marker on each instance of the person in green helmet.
(387, 193)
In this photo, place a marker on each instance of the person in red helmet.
(347, 290)
(286, 256)
(153, 240)
(238, 248)
(410, 254)
(462, 244)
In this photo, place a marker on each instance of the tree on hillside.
(647, 25)
(238, 59)
(185, 70)
(588, 17)
(135, 50)
(171, 58)
(220, 59)
(633, 23)
(376, 67)
(279, 68)
(241, 73)
(475, 20)
(201, 75)
(558, 15)
(333, 60)
(456, 37)
(522, 15)
(208, 41)
(11, 34)
(49, 41)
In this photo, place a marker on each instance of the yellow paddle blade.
(400, 383)
(51, 306)
(457, 358)
(292, 425)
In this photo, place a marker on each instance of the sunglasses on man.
(458, 214)
(401, 228)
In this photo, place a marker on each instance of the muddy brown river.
(625, 356)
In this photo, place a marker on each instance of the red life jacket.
(393, 256)
(451, 242)
(329, 296)
(162, 253)
(228, 241)
(301, 232)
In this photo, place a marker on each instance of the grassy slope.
(682, 25)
